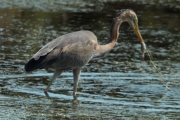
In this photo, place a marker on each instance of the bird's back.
(65, 52)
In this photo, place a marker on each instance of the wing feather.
(67, 51)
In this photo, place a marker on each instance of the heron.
(74, 50)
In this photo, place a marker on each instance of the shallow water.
(118, 86)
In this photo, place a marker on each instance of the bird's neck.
(114, 34)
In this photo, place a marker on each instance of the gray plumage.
(69, 51)
(74, 50)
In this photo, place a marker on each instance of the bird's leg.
(55, 75)
(76, 75)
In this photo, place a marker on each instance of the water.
(118, 86)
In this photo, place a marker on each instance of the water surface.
(118, 86)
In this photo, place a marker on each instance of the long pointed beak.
(143, 45)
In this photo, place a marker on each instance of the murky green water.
(118, 86)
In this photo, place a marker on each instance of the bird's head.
(127, 15)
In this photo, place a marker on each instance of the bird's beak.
(137, 32)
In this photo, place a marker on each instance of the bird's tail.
(33, 64)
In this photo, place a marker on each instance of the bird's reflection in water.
(75, 102)
(69, 105)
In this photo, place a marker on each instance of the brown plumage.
(74, 50)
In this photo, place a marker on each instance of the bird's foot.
(75, 103)
(46, 93)
(74, 96)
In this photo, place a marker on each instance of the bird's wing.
(75, 55)
(79, 37)
(63, 50)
